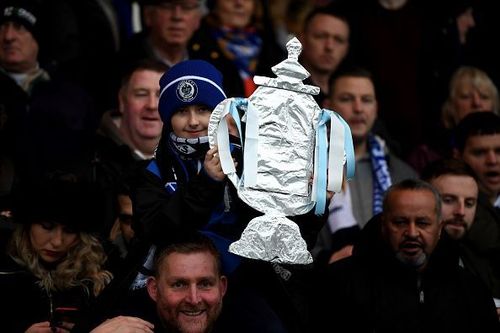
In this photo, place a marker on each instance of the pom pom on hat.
(187, 83)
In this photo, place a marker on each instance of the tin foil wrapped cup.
(288, 160)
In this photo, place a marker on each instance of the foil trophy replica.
(285, 146)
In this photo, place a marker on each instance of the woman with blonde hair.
(470, 90)
(54, 266)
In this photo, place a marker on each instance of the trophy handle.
(218, 134)
(328, 153)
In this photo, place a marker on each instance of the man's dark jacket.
(372, 291)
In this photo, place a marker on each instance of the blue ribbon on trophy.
(285, 144)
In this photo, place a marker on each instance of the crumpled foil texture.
(287, 122)
(274, 239)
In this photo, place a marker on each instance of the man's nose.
(357, 105)
(412, 230)
(177, 11)
(459, 209)
(193, 296)
(491, 157)
(152, 101)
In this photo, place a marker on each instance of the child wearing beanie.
(184, 188)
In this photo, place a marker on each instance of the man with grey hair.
(168, 27)
(400, 278)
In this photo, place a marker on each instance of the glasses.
(185, 6)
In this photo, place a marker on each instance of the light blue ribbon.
(321, 171)
(349, 148)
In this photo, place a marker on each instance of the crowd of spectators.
(89, 131)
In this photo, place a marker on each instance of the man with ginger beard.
(456, 182)
(400, 278)
(184, 295)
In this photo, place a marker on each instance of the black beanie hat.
(61, 199)
(24, 12)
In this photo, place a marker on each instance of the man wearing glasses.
(168, 26)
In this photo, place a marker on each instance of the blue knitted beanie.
(187, 83)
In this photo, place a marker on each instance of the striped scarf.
(380, 170)
(242, 46)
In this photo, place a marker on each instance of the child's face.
(191, 121)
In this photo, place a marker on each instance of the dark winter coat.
(25, 302)
(372, 291)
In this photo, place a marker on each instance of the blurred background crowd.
(79, 86)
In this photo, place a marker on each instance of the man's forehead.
(180, 2)
(449, 179)
(483, 140)
(405, 202)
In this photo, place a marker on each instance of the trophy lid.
(290, 72)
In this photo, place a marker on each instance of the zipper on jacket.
(421, 297)
(51, 306)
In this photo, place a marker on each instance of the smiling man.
(399, 278)
(137, 123)
(187, 289)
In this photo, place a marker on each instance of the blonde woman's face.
(52, 241)
(470, 98)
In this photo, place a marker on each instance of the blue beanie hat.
(187, 83)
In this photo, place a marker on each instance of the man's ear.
(223, 285)
(383, 226)
(121, 100)
(152, 286)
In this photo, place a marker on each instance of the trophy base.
(274, 239)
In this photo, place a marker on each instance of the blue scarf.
(242, 46)
(380, 171)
